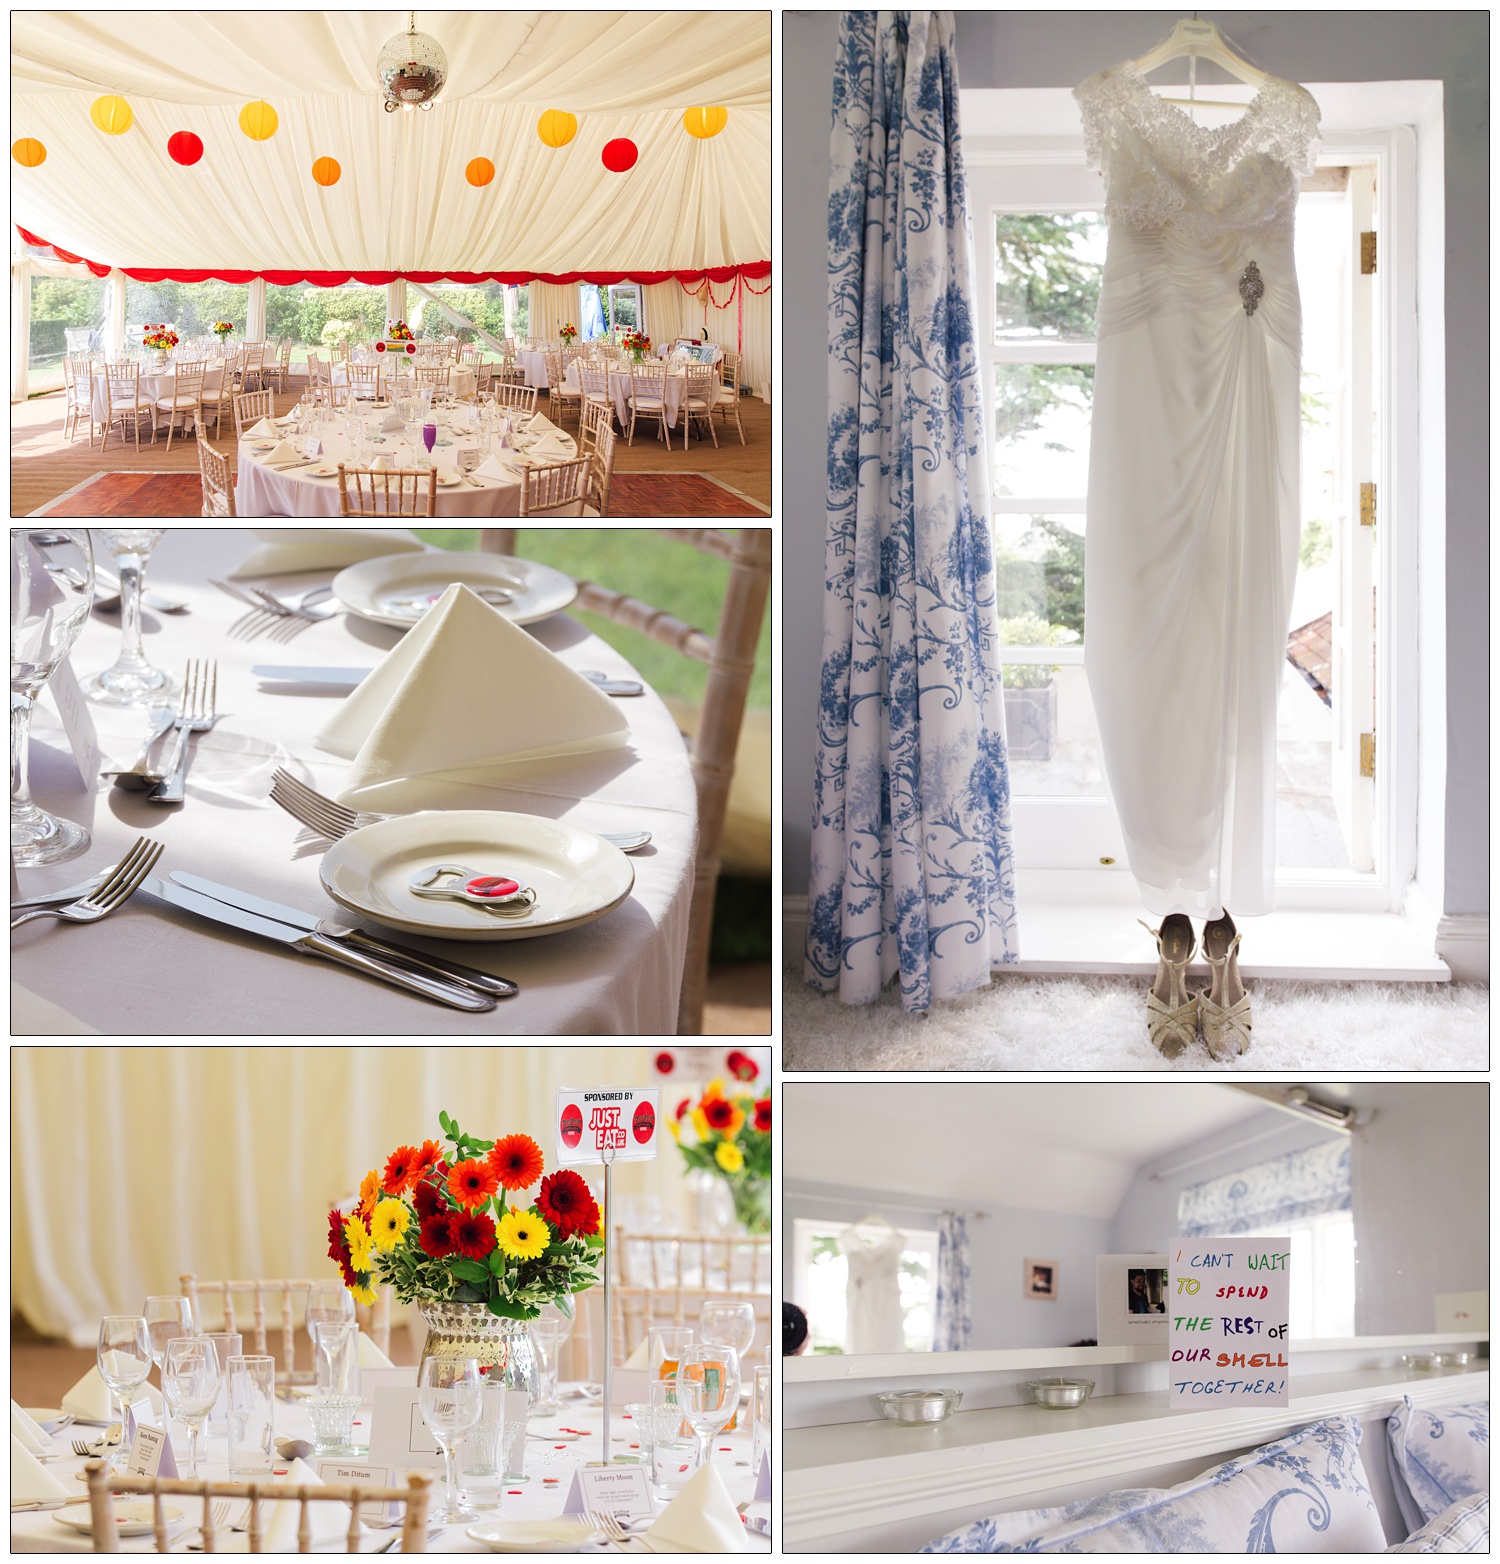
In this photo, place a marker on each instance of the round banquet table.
(153, 385)
(534, 362)
(549, 1465)
(619, 391)
(150, 969)
(462, 380)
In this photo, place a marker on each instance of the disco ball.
(412, 69)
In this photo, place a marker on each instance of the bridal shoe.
(1225, 1007)
(1171, 1012)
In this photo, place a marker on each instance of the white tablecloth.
(152, 386)
(152, 970)
(534, 362)
(619, 391)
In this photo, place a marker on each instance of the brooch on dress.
(1252, 287)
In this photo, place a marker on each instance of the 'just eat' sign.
(607, 1123)
(1228, 1301)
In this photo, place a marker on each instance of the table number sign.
(151, 1453)
(621, 1491)
(1229, 1301)
(622, 1121)
(77, 721)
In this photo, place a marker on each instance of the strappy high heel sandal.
(1171, 1012)
(1225, 1008)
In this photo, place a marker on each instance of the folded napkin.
(30, 1480)
(262, 430)
(641, 1357)
(370, 1356)
(552, 448)
(466, 691)
(278, 1518)
(33, 1016)
(284, 453)
(31, 1433)
(391, 423)
(539, 423)
(288, 550)
(701, 1519)
(91, 1401)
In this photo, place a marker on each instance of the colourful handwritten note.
(1228, 1302)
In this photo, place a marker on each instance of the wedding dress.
(1193, 503)
(872, 1294)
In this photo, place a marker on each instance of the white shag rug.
(1099, 1023)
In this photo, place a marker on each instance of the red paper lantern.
(620, 155)
(185, 148)
(326, 171)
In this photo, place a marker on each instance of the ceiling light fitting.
(413, 69)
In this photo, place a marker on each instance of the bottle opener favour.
(416, 604)
(496, 893)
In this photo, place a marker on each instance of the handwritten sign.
(1228, 1300)
(620, 1121)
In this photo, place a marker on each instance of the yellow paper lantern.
(557, 127)
(705, 122)
(28, 152)
(112, 115)
(480, 171)
(326, 171)
(258, 121)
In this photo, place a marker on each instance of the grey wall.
(1059, 49)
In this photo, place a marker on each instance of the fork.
(110, 1436)
(297, 610)
(197, 714)
(612, 1529)
(117, 889)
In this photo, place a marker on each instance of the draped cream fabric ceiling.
(402, 202)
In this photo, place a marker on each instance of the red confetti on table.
(515, 1491)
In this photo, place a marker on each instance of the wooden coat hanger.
(1201, 41)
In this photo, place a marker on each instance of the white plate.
(326, 470)
(577, 876)
(133, 1516)
(262, 445)
(447, 478)
(562, 1534)
(48, 1417)
(365, 589)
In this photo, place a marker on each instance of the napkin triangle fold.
(701, 1519)
(328, 1522)
(285, 550)
(370, 1356)
(90, 1400)
(30, 1480)
(31, 1433)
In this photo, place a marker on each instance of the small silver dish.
(1422, 1362)
(1060, 1394)
(1453, 1360)
(919, 1406)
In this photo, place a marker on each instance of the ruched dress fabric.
(1194, 477)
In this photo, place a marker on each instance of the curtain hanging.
(912, 869)
(1299, 1184)
(950, 1321)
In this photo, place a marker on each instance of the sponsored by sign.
(608, 1123)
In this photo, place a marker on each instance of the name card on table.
(762, 1481)
(139, 1414)
(621, 1120)
(621, 1491)
(151, 1453)
(373, 1379)
(1229, 1300)
(398, 1434)
(77, 721)
(310, 445)
(378, 1512)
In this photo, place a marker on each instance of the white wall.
(1060, 49)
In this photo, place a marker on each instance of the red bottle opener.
(496, 893)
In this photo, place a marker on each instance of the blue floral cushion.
(1443, 1456)
(1464, 1527)
(1303, 1494)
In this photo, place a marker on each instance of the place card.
(77, 721)
(151, 1453)
(311, 446)
(398, 1434)
(139, 1414)
(762, 1481)
(1229, 1300)
(377, 1512)
(621, 1491)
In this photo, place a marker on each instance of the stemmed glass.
(191, 1380)
(167, 1316)
(449, 1391)
(51, 593)
(131, 681)
(708, 1390)
(124, 1357)
(731, 1322)
(330, 1323)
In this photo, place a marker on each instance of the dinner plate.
(262, 445)
(577, 876)
(132, 1516)
(324, 470)
(559, 1534)
(447, 478)
(49, 1419)
(367, 589)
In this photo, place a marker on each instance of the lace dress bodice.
(1161, 170)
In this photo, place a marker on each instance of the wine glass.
(429, 436)
(190, 1380)
(330, 1323)
(131, 681)
(167, 1316)
(124, 1357)
(51, 593)
(449, 1391)
(731, 1322)
(708, 1390)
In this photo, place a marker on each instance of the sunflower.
(358, 1237)
(428, 1200)
(472, 1234)
(516, 1161)
(472, 1183)
(523, 1235)
(763, 1115)
(363, 1293)
(435, 1238)
(369, 1193)
(401, 1171)
(729, 1156)
(723, 1116)
(388, 1224)
(568, 1204)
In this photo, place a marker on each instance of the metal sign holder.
(607, 1157)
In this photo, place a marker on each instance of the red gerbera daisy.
(516, 1161)
(471, 1183)
(435, 1237)
(763, 1115)
(741, 1066)
(427, 1199)
(568, 1204)
(336, 1250)
(719, 1112)
(471, 1233)
(665, 1063)
(401, 1171)
(682, 1107)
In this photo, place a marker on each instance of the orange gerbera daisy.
(401, 1171)
(428, 1156)
(471, 1183)
(369, 1193)
(516, 1161)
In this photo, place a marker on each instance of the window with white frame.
(820, 1279)
(1321, 1274)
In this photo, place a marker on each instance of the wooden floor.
(739, 1001)
(45, 466)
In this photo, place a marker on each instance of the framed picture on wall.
(1039, 1279)
(1132, 1299)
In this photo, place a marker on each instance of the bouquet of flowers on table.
(159, 339)
(637, 343)
(221, 329)
(727, 1132)
(398, 331)
(567, 333)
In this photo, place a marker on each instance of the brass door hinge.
(1366, 254)
(1367, 754)
(1367, 504)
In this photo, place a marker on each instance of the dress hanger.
(1200, 40)
(874, 1219)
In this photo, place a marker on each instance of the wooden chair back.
(484, 370)
(711, 1262)
(218, 483)
(519, 399)
(555, 490)
(431, 374)
(601, 465)
(636, 1310)
(366, 377)
(369, 492)
(249, 408)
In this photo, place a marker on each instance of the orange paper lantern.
(480, 171)
(28, 152)
(326, 171)
(705, 122)
(112, 115)
(619, 156)
(557, 127)
(258, 121)
(185, 148)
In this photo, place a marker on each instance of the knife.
(312, 943)
(345, 678)
(448, 971)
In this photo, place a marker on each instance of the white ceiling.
(1047, 1146)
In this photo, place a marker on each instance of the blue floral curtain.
(950, 1316)
(1300, 1184)
(912, 870)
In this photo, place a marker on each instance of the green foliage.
(1030, 630)
(192, 307)
(1026, 393)
(1317, 543)
(825, 1247)
(1043, 575)
(1043, 283)
(336, 333)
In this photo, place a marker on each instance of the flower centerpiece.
(637, 344)
(398, 331)
(438, 1227)
(727, 1133)
(160, 340)
(567, 333)
(221, 329)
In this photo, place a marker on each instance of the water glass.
(131, 680)
(708, 1390)
(546, 1340)
(666, 1348)
(332, 1417)
(124, 1357)
(639, 1413)
(481, 1456)
(731, 1322)
(251, 1393)
(449, 1391)
(228, 1344)
(675, 1455)
(190, 1381)
(760, 1417)
(334, 1353)
(167, 1316)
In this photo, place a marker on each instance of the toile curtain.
(912, 869)
(951, 1322)
(1300, 1184)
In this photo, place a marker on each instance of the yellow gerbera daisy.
(364, 1295)
(522, 1235)
(729, 1156)
(700, 1123)
(369, 1192)
(357, 1236)
(715, 1087)
(388, 1224)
